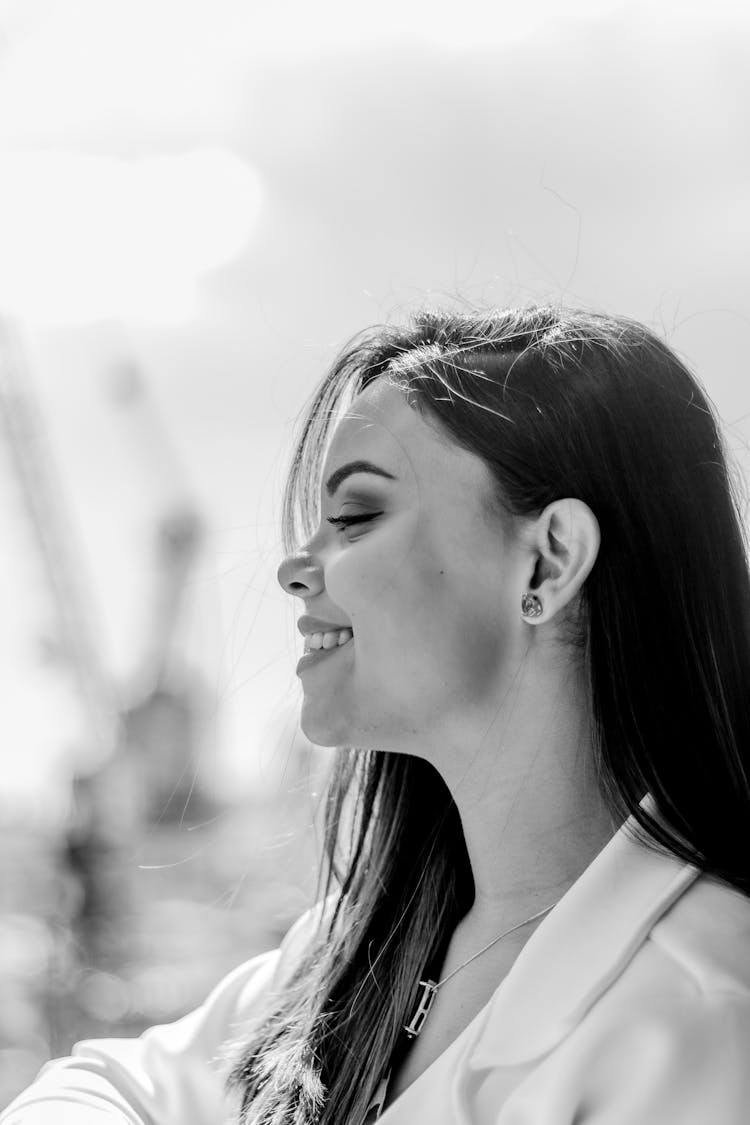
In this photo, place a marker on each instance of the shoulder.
(707, 935)
(680, 1060)
(689, 983)
(669, 1041)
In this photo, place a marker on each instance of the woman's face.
(430, 584)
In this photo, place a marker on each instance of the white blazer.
(629, 1005)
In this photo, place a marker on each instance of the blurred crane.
(41, 897)
(165, 702)
(72, 641)
(137, 758)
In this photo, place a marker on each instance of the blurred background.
(200, 202)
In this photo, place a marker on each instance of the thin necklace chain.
(429, 988)
(512, 930)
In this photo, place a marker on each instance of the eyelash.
(342, 522)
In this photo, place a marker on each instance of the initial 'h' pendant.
(416, 1023)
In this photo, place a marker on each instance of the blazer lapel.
(579, 949)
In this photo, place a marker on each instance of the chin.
(323, 729)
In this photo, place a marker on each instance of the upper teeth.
(327, 640)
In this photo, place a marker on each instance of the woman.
(526, 604)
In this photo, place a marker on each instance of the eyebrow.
(339, 476)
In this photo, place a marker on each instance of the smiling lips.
(320, 646)
(327, 640)
(320, 634)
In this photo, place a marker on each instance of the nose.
(300, 576)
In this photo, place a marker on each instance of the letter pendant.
(416, 1023)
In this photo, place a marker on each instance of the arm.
(169, 1074)
(172, 1074)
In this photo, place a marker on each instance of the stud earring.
(531, 605)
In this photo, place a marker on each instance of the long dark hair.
(558, 403)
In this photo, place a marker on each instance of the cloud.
(85, 237)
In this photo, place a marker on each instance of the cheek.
(471, 646)
(366, 580)
(423, 628)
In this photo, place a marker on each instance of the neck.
(531, 809)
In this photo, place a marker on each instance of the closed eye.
(342, 522)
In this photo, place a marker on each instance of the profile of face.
(430, 582)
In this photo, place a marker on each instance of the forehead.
(380, 426)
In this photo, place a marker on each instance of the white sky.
(223, 192)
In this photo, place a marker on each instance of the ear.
(564, 541)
